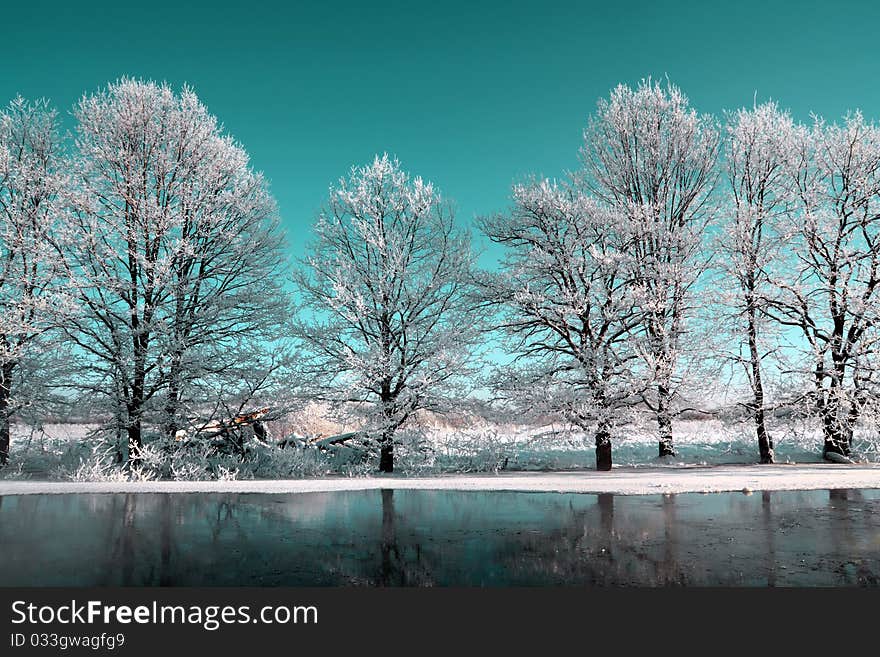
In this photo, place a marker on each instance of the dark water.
(425, 538)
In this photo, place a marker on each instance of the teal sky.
(471, 95)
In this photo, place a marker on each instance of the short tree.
(651, 157)
(387, 318)
(568, 307)
(30, 298)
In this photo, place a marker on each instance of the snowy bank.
(620, 481)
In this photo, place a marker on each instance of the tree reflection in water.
(426, 538)
(847, 533)
(770, 533)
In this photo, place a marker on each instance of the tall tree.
(30, 298)
(173, 251)
(651, 157)
(759, 146)
(567, 306)
(388, 320)
(828, 289)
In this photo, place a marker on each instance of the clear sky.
(471, 95)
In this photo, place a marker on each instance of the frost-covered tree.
(30, 299)
(387, 318)
(651, 157)
(759, 146)
(568, 307)
(173, 252)
(827, 290)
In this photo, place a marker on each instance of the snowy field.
(74, 452)
(697, 442)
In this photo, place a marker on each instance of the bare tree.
(652, 158)
(568, 307)
(827, 289)
(759, 146)
(172, 249)
(30, 299)
(387, 318)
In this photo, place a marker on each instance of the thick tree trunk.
(837, 421)
(603, 447)
(386, 442)
(836, 433)
(135, 442)
(386, 454)
(836, 442)
(664, 422)
(5, 393)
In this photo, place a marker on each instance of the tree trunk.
(664, 421)
(5, 392)
(837, 438)
(836, 442)
(603, 447)
(765, 442)
(4, 437)
(172, 401)
(386, 442)
(135, 442)
(136, 402)
(386, 454)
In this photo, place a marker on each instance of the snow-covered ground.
(697, 442)
(65, 452)
(622, 481)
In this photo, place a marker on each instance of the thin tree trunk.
(5, 392)
(664, 421)
(4, 435)
(172, 401)
(136, 403)
(133, 425)
(765, 442)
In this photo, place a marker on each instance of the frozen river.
(442, 538)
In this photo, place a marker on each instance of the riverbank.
(620, 481)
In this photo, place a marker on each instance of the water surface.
(442, 538)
